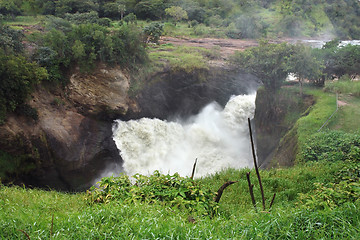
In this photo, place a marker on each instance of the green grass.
(182, 58)
(344, 87)
(348, 116)
(25, 20)
(323, 108)
(31, 210)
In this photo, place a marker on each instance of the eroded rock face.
(69, 145)
(183, 94)
(102, 92)
(276, 145)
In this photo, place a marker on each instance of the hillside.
(231, 18)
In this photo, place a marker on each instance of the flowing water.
(217, 137)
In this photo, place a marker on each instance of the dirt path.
(226, 46)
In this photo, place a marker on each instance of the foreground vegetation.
(306, 206)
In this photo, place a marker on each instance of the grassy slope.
(32, 210)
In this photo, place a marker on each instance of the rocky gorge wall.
(71, 143)
(275, 116)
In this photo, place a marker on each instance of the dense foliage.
(272, 63)
(171, 190)
(345, 186)
(17, 80)
(18, 76)
(332, 146)
(267, 62)
(87, 44)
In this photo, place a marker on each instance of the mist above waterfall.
(217, 137)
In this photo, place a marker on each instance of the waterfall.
(218, 137)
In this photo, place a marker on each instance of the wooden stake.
(255, 164)
(193, 171)
(251, 187)
(221, 190)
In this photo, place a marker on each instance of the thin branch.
(221, 190)
(27, 235)
(272, 201)
(255, 164)
(52, 225)
(193, 171)
(251, 187)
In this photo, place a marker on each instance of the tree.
(250, 26)
(10, 40)
(339, 60)
(121, 9)
(304, 65)
(177, 13)
(130, 18)
(153, 32)
(267, 62)
(17, 79)
(9, 7)
(150, 9)
(347, 60)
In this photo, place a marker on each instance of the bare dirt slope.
(226, 46)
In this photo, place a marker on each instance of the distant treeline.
(243, 18)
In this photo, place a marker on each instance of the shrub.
(173, 190)
(17, 79)
(332, 146)
(345, 188)
(10, 40)
(28, 111)
(153, 32)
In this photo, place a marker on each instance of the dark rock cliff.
(71, 142)
(275, 116)
(184, 94)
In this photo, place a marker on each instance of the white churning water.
(218, 138)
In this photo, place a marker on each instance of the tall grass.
(323, 108)
(31, 210)
(344, 86)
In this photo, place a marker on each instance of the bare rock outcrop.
(71, 142)
(103, 91)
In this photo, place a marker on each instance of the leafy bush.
(28, 111)
(345, 188)
(251, 27)
(332, 146)
(86, 44)
(17, 79)
(10, 40)
(153, 32)
(82, 18)
(173, 190)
